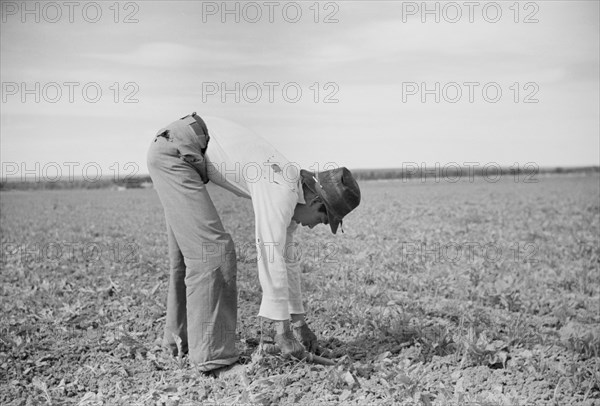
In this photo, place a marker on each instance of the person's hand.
(288, 345)
(304, 334)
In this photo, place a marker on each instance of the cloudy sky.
(365, 84)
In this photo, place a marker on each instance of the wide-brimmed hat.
(338, 190)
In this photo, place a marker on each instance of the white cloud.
(155, 54)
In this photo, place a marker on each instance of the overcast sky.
(367, 78)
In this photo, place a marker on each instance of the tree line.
(413, 173)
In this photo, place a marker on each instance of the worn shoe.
(235, 369)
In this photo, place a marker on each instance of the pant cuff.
(274, 309)
(296, 307)
(215, 364)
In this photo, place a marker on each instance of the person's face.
(311, 214)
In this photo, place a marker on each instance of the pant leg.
(176, 323)
(208, 252)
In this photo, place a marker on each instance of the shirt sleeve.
(273, 205)
(292, 262)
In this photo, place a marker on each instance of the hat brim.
(333, 220)
(334, 223)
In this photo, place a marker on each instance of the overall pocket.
(191, 147)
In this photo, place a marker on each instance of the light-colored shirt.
(246, 164)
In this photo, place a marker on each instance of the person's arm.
(293, 255)
(273, 209)
(274, 204)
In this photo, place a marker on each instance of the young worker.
(202, 295)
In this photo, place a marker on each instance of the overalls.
(202, 296)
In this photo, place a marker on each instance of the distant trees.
(416, 173)
(136, 182)
(451, 172)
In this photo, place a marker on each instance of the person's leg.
(209, 256)
(212, 308)
(176, 323)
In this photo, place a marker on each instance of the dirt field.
(436, 294)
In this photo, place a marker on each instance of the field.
(443, 293)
